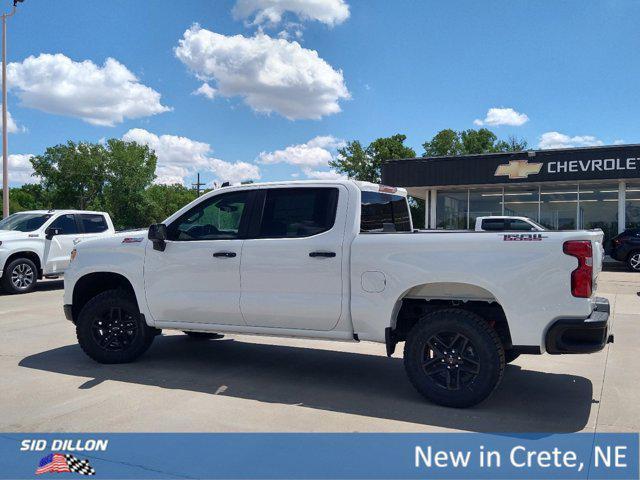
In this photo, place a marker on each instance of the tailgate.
(598, 251)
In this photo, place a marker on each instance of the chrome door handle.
(224, 254)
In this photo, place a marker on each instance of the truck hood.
(6, 235)
(124, 239)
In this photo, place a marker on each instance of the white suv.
(38, 243)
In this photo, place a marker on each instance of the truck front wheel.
(110, 328)
(454, 358)
(20, 276)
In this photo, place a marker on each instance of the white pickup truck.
(38, 243)
(340, 260)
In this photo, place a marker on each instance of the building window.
(599, 208)
(633, 206)
(522, 202)
(559, 207)
(484, 203)
(452, 210)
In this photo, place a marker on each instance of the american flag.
(61, 463)
(54, 462)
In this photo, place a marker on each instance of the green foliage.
(93, 176)
(468, 142)
(26, 197)
(165, 200)
(73, 175)
(444, 143)
(130, 169)
(365, 163)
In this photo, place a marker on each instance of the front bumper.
(588, 335)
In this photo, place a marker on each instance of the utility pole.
(198, 184)
(5, 140)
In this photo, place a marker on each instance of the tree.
(167, 199)
(130, 169)
(365, 164)
(469, 142)
(111, 177)
(73, 175)
(512, 144)
(26, 197)
(445, 143)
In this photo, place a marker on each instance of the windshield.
(24, 222)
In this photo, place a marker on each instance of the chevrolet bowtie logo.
(518, 169)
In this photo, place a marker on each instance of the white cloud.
(560, 140)
(270, 12)
(12, 126)
(179, 157)
(206, 90)
(99, 95)
(502, 116)
(318, 151)
(20, 169)
(619, 141)
(271, 75)
(324, 175)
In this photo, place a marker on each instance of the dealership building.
(564, 189)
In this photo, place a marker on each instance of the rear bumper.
(588, 335)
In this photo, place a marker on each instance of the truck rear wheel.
(454, 358)
(20, 276)
(110, 328)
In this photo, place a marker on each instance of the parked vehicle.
(626, 248)
(38, 243)
(504, 224)
(339, 260)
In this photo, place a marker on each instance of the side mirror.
(158, 235)
(52, 232)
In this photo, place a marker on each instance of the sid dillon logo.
(518, 169)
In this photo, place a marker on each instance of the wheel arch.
(94, 283)
(424, 298)
(30, 254)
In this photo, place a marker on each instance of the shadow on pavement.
(41, 286)
(360, 384)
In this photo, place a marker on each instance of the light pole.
(5, 143)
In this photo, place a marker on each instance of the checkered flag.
(79, 466)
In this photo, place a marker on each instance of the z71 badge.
(523, 237)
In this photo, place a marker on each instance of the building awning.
(534, 166)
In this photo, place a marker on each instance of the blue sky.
(338, 69)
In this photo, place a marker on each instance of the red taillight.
(581, 277)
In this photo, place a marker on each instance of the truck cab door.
(292, 261)
(196, 279)
(57, 248)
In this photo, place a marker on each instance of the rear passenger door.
(92, 225)
(291, 270)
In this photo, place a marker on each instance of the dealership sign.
(517, 169)
(598, 163)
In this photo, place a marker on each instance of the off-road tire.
(483, 350)
(13, 269)
(100, 309)
(510, 356)
(204, 335)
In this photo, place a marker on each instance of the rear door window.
(520, 225)
(384, 212)
(298, 212)
(93, 223)
(493, 224)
